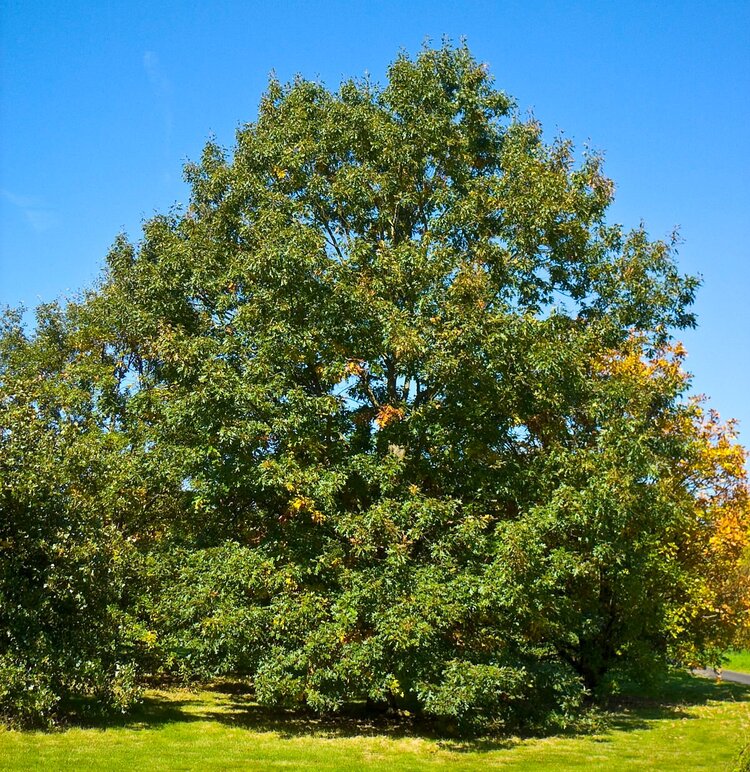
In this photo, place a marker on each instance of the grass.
(738, 661)
(696, 724)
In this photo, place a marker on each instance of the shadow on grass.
(670, 699)
(231, 704)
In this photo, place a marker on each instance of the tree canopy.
(388, 412)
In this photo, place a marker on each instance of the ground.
(695, 724)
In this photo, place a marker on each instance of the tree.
(62, 572)
(405, 415)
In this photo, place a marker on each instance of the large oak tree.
(391, 412)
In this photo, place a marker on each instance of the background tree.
(404, 418)
(63, 472)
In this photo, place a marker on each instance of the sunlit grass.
(695, 724)
(739, 661)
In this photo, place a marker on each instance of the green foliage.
(388, 413)
(61, 546)
(25, 694)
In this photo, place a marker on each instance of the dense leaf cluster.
(389, 413)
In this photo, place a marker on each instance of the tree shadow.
(231, 703)
(669, 699)
(152, 712)
(682, 689)
(354, 720)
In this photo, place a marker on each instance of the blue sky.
(103, 101)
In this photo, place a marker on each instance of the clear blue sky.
(103, 101)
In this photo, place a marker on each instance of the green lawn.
(697, 724)
(738, 661)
